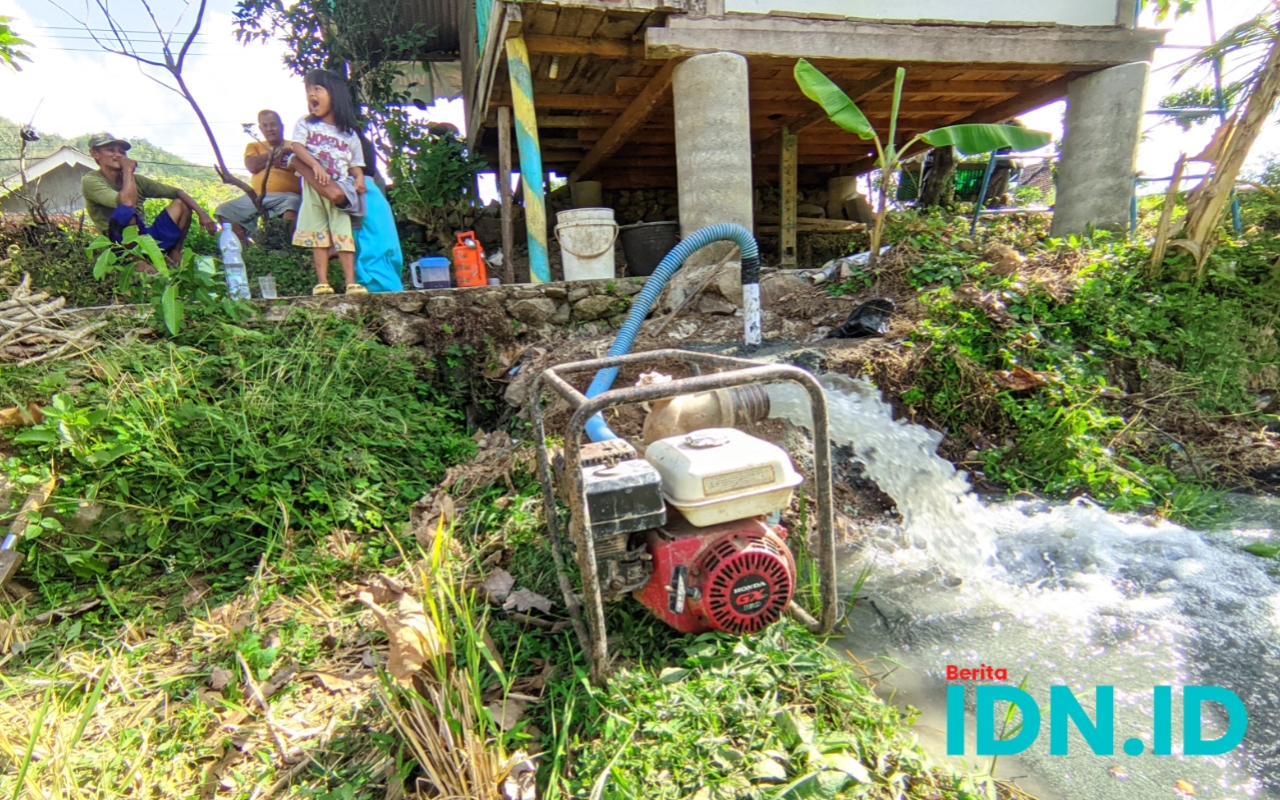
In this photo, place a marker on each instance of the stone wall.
(436, 318)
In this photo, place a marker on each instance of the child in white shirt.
(332, 170)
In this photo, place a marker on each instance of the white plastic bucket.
(586, 237)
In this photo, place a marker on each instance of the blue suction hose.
(596, 428)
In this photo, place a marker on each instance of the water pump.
(684, 530)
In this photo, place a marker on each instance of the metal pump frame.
(736, 372)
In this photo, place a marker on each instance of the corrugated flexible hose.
(596, 428)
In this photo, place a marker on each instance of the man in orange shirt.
(275, 182)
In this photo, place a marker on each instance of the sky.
(70, 87)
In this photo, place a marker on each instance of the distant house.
(54, 179)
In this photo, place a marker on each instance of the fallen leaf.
(498, 585)
(66, 613)
(263, 693)
(331, 682)
(519, 784)
(413, 638)
(199, 588)
(16, 417)
(522, 600)
(439, 506)
(1184, 787)
(768, 770)
(1019, 379)
(231, 616)
(384, 589)
(848, 765)
(507, 712)
(219, 678)
(1004, 259)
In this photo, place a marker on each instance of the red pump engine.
(737, 577)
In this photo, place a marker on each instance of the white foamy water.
(931, 494)
(1062, 594)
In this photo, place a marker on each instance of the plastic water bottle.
(233, 263)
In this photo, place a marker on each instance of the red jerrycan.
(468, 261)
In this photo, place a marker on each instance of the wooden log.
(770, 223)
(573, 46)
(788, 165)
(535, 202)
(504, 192)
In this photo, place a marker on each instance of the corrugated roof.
(443, 15)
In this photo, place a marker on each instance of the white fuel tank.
(717, 475)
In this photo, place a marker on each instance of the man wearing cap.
(274, 181)
(113, 196)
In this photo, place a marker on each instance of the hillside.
(156, 162)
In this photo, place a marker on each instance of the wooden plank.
(573, 102)
(504, 192)
(952, 89)
(903, 42)
(570, 122)
(573, 46)
(591, 19)
(540, 18)
(817, 114)
(787, 166)
(567, 24)
(630, 119)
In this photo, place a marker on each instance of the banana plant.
(968, 139)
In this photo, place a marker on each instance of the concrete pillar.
(1100, 149)
(713, 146)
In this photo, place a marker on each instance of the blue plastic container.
(431, 272)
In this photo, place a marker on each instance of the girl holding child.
(327, 144)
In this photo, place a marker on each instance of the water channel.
(1060, 594)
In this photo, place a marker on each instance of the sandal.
(355, 288)
(322, 288)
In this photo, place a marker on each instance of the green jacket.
(101, 198)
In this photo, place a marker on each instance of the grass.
(1147, 387)
(694, 716)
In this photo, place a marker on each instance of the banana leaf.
(973, 139)
(821, 90)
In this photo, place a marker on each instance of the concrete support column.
(713, 146)
(1100, 149)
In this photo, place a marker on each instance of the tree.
(1256, 41)
(968, 139)
(366, 41)
(117, 40)
(10, 55)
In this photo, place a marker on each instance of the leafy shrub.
(57, 260)
(201, 449)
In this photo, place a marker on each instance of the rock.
(729, 283)
(488, 298)
(628, 287)
(595, 307)
(714, 304)
(778, 286)
(400, 329)
(578, 292)
(857, 209)
(555, 292)
(533, 310)
(562, 315)
(410, 306)
(442, 307)
(811, 210)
